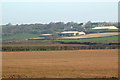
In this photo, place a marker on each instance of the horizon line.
(62, 22)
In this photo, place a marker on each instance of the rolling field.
(61, 64)
(19, 37)
(107, 39)
(92, 35)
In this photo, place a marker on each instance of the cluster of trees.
(48, 48)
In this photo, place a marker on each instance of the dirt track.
(61, 64)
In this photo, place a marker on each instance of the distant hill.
(25, 31)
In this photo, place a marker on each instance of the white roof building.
(71, 33)
(46, 34)
(106, 27)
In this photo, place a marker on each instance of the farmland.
(107, 39)
(92, 35)
(61, 64)
(29, 54)
(110, 42)
(19, 36)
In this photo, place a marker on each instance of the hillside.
(25, 31)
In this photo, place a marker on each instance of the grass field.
(19, 37)
(98, 39)
(109, 39)
(61, 64)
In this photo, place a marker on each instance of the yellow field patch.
(92, 35)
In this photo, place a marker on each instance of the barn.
(44, 35)
(105, 27)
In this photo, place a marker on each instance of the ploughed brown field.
(61, 64)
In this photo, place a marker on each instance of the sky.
(30, 12)
(59, 0)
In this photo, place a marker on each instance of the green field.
(19, 36)
(110, 39)
(99, 39)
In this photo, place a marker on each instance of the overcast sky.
(59, 0)
(64, 11)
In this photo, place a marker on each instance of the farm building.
(71, 33)
(105, 27)
(44, 35)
